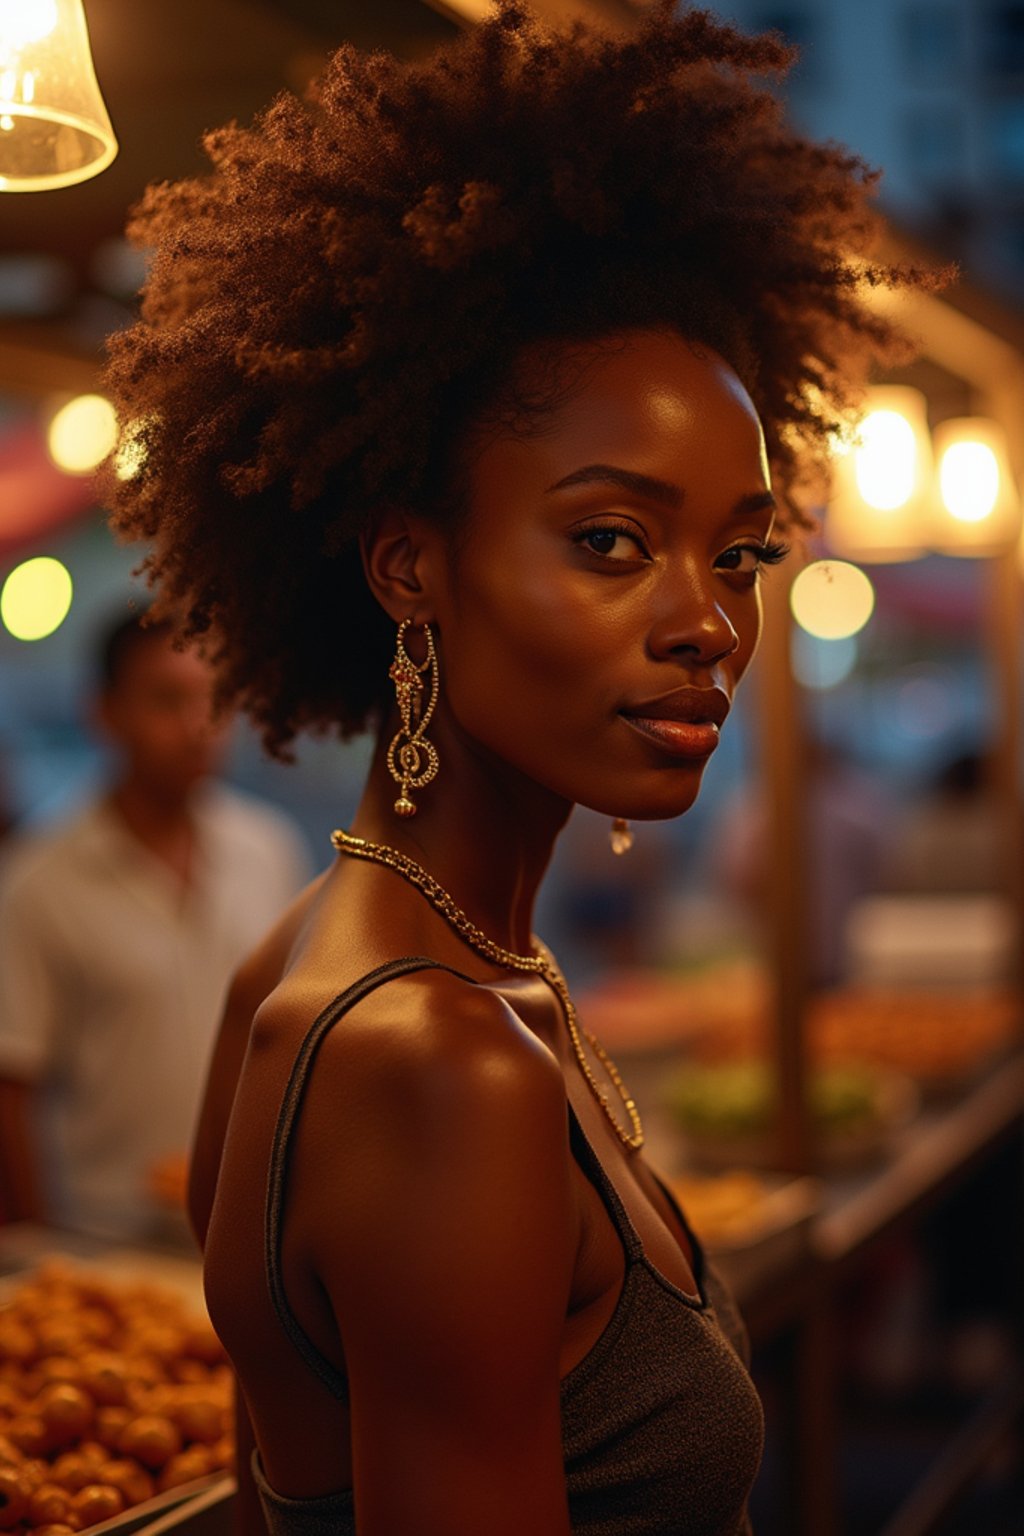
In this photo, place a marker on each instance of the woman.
(456, 395)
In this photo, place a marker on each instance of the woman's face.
(603, 604)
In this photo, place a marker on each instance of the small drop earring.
(621, 835)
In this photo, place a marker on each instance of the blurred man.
(119, 930)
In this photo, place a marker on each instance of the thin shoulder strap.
(594, 1169)
(280, 1153)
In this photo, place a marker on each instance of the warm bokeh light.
(977, 508)
(35, 598)
(82, 434)
(25, 21)
(969, 481)
(832, 599)
(885, 460)
(882, 469)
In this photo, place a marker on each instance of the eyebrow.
(629, 480)
(662, 491)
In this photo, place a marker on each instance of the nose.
(689, 621)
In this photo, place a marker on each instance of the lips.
(685, 723)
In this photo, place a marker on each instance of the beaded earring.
(412, 759)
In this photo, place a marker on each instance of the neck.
(482, 830)
(152, 815)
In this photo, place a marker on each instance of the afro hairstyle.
(332, 307)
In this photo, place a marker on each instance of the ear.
(397, 566)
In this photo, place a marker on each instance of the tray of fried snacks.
(115, 1395)
(942, 1039)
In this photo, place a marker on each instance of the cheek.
(750, 631)
(528, 650)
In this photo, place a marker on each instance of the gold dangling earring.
(412, 762)
(621, 835)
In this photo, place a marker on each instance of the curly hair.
(333, 307)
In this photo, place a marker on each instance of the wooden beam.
(619, 15)
(37, 369)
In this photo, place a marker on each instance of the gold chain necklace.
(541, 964)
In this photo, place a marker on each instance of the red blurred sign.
(36, 498)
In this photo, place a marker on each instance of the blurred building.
(932, 91)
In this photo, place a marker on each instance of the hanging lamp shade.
(878, 510)
(976, 509)
(54, 127)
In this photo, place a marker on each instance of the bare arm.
(446, 1240)
(257, 977)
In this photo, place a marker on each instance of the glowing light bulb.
(25, 21)
(976, 510)
(54, 126)
(36, 598)
(885, 460)
(969, 481)
(832, 599)
(82, 434)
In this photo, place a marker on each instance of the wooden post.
(1004, 400)
(782, 761)
(1004, 641)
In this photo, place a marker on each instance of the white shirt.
(112, 981)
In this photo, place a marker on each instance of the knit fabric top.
(661, 1425)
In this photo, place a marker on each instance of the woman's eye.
(748, 559)
(612, 543)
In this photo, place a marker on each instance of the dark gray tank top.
(661, 1426)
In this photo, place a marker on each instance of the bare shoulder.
(431, 1086)
(413, 1029)
(257, 976)
(263, 967)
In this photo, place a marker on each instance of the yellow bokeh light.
(35, 598)
(26, 21)
(82, 434)
(969, 481)
(832, 599)
(885, 460)
(130, 454)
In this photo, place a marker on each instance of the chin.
(182, 785)
(666, 811)
(672, 796)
